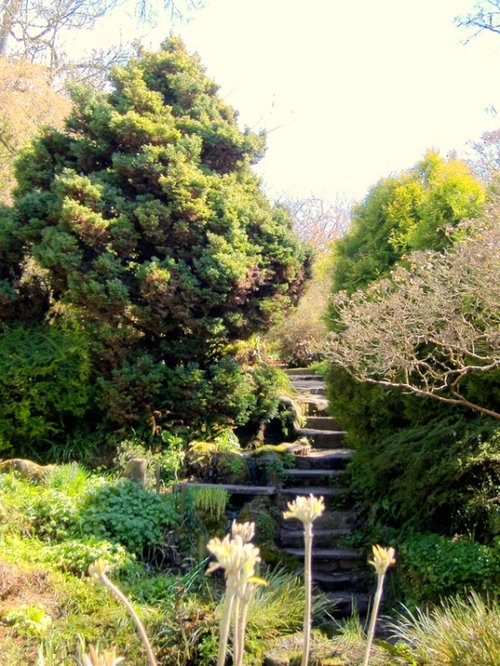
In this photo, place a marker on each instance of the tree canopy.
(143, 218)
(417, 209)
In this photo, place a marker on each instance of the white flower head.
(106, 658)
(305, 509)
(238, 559)
(98, 569)
(245, 530)
(382, 559)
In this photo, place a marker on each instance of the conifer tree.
(146, 221)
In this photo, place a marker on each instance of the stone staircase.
(338, 572)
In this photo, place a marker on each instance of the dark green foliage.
(124, 512)
(266, 528)
(432, 567)
(418, 209)
(441, 476)
(366, 411)
(144, 217)
(45, 384)
(418, 464)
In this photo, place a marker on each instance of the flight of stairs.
(338, 571)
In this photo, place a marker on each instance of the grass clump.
(457, 632)
(278, 608)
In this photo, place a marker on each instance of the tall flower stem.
(241, 622)
(241, 631)
(308, 537)
(382, 560)
(98, 571)
(238, 558)
(306, 509)
(225, 624)
(237, 646)
(373, 618)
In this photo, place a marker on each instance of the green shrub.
(125, 512)
(146, 218)
(439, 476)
(417, 209)
(432, 567)
(45, 385)
(48, 513)
(75, 555)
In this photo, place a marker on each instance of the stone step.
(332, 554)
(324, 459)
(322, 537)
(323, 439)
(354, 581)
(311, 477)
(291, 372)
(306, 377)
(346, 602)
(314, 388)
(330, 520)
(317, 491)
(322, 423)
(313, 404)
(232, 489)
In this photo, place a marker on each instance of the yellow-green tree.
(415, 210)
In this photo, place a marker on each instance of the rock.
(284, 649)
(26, 468)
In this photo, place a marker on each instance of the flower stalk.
(238, 558)
(306, 509)
(382, 560)
(98, 572)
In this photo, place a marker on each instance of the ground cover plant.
(51, 531)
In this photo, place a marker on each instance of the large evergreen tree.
(144, 219)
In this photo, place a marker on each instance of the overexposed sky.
(348, 90)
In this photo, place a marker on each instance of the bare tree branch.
(37, 30)
(486, 16)
(318, 221)
(430, 326)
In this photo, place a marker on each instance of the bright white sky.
(348, 90)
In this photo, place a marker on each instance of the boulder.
(26, 468)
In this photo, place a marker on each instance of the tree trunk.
(11, 11)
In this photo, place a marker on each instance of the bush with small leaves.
(126, 513)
